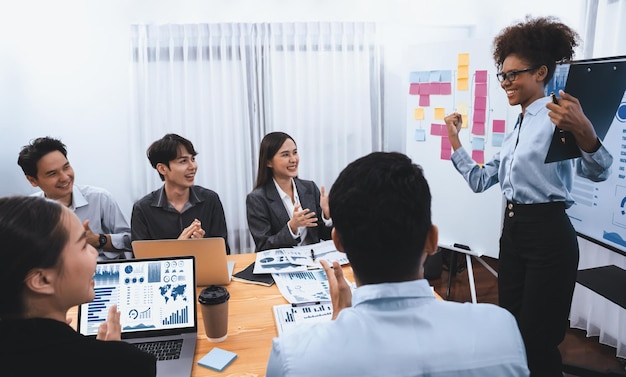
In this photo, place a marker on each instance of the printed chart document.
(276, 261)
(288, 316)
(324, 250)
(298, 258)
(303, 287)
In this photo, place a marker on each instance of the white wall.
(64, 65)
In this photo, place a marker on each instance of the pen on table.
(556, 102)
(313, 255)
(299, 304)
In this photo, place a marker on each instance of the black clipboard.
(599, 86)
(562, 147)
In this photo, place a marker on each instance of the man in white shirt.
(45, 164)
(393, 325)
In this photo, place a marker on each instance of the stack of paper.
(297, 259)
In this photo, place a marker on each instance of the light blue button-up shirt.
(104, 214)
(519, 166)
(401, 329)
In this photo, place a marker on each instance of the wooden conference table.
(251, 325)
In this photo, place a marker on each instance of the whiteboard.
(463, 217)
(599, 211)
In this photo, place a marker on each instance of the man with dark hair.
(393, 325)
(179, 209)
(45, 164)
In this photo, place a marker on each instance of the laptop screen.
(151, 295)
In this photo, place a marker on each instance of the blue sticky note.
(478, 143)
(414, 77)
(435, 76)
(217, 359)
(497, 139)
(420, 135)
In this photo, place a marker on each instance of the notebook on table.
(212, 268)
(156, 298)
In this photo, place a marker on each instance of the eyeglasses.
(512, 75)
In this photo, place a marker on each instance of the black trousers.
(537, 272)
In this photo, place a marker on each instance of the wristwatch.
(102, 240)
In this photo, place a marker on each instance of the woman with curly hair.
(538, 247)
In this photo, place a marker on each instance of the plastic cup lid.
(213, 294)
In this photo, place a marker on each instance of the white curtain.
(605, 23)
(322, 87)
(224, 86)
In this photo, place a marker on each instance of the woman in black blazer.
(49, 268)
(283, 210)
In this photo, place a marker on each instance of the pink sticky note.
(498, 125)
(478, 156)
(446, 148)
(481, 76)
(414, 89)
(445, 88)
(438, 129)
(424, 100)
(479, 115)
(425, 88)
(481, 90)
(478, 128)
(480, 103)
(435, 88)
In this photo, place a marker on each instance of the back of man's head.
(31, 154)
(380, 206)
(165, 149)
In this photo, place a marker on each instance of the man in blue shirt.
(45, 164)
(179, 209)
(392, 325)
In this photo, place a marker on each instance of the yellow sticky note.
(464, 118)
(440, 113)
(462, 108)
(462, 84)
(418, 113)
(463, 72)
(463, 58)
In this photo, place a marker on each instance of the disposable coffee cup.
(214, 305)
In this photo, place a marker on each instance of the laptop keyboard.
(162, 350)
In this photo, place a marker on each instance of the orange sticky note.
(463, 58)
(440, 113)
(418, 113)
(463, 72)
(462, 84)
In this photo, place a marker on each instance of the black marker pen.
(554, 99)
(556, 102)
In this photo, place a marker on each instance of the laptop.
(157, 301)
(212, 268)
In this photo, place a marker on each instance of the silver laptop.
(157, 301)
(212, 267)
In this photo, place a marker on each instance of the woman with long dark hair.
(48, 268)
(283, 210)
